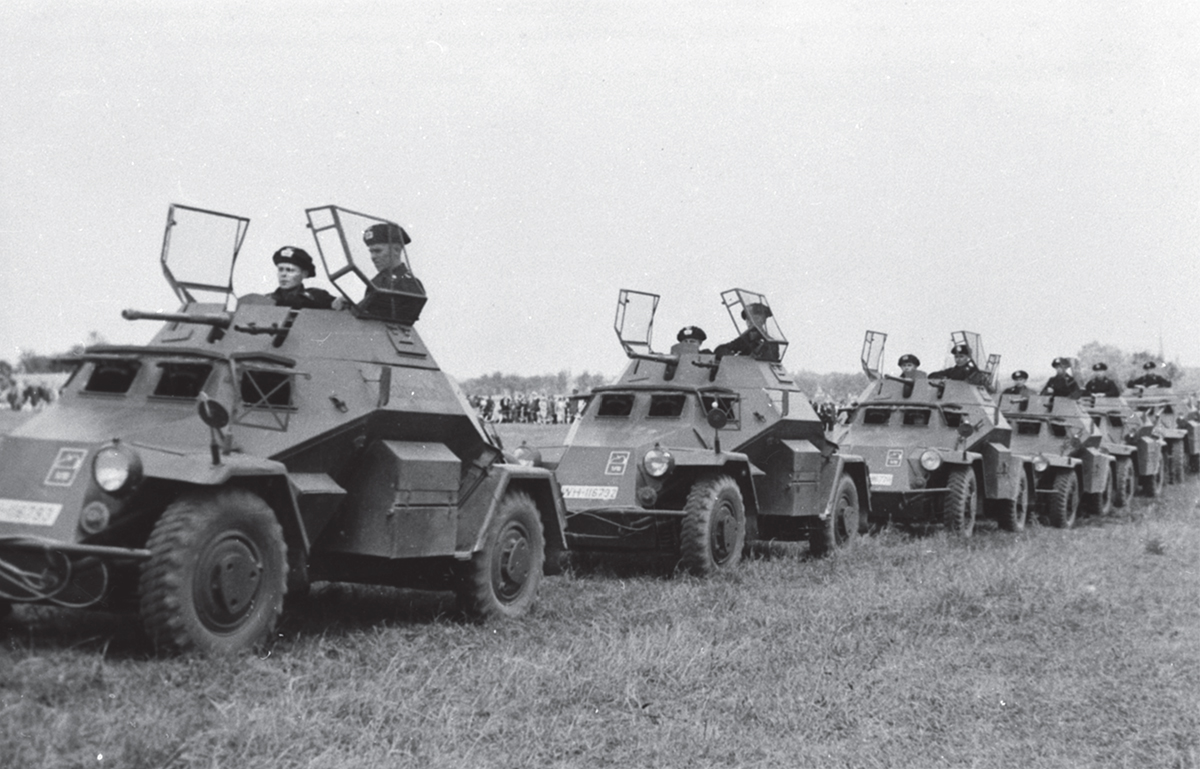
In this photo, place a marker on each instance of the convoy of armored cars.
(694, 452)
(250, 448)
(1071, 460)
(937, 448)
(1162, 413)
(254, 447)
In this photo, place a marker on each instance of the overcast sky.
(1027, 170)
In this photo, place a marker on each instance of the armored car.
(696, 451)
(250, 449)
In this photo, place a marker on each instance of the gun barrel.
(220, 320)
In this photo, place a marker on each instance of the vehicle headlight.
(657, 462)
(527, 456)
(931, 459)
(116, 468)
(1040, 463)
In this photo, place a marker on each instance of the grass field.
(1044, 649)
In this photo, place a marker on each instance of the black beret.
(1020, 374)
(1149, 365)
(296, 256)
(960, 349)
(386, 233)
(1100, 367)
(909, 358)
(1060, 362)
(691, 333)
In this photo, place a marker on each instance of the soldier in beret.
(1150, 378)
(964, 368)
(751, 341)
(1062, 383)
(293, 265)
(910, 366)
(1019, 386)
(1101, 384)
(386, 242)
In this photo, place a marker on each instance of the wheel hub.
(724, 532)
(229, 573)
(513, 563)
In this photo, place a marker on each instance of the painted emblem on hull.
(617, 462)
(65, 468)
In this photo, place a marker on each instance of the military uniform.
(299, 298)
(966, 373)
(1102, 385)
(1149, 379)
(1062, 385)
(747, 343)
(398, 278)
(1018, 389)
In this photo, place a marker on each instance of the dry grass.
(1045, 649)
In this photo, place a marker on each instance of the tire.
(1064, 502)
(962, 501)
(714, 526)
(1012, 515)
(1175, 462)
(844, 523)
(1152, 484)
(501, 580)
(1124, 481)
(217, 574)
(1101, 504)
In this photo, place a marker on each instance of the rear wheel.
(502, 579)
(844, 521)
(714, 526)
(217, 573)
(1012, 515)
(1064, 502)
(1124, 482)
(1101, 503)
(962, 501)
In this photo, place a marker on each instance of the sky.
(1026, 170)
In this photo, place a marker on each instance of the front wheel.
(217, 573)
(1175, 462)
(714, 526)
(1101, 503)
(844, 522)
(1124, 482)
(1152, 484)
(1064, 502)
(962, 501)
(502, 579)
(1012, 515)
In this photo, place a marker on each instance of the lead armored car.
(1073, 463)
(938, 449)
(694, 452)
(250, 449)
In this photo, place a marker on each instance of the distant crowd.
(28, 397)
(527, 408)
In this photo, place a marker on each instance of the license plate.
(602, 493)
(29, 513)
(881, 479)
